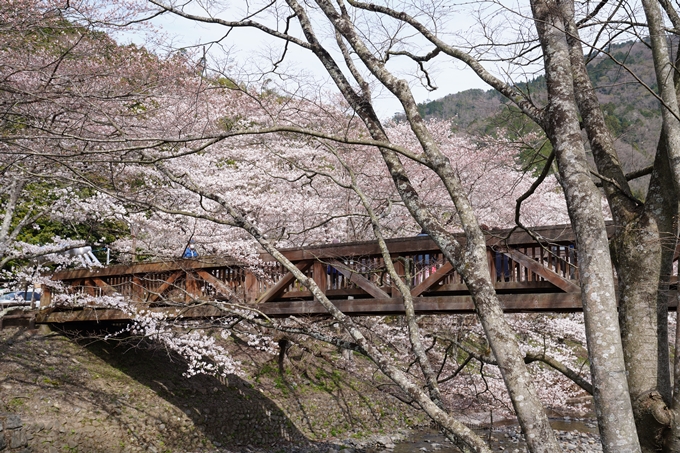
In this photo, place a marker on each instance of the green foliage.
(512, 122)
(16, 404)
(533, 159)
(225, 82)
(92, 232)
(227, 123)
(631, 112)
(40, 196)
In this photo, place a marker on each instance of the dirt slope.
(85, 396)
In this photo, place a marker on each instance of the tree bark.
(613, 405)
(673, 442)
(470, 262)
(663, 67)
(638, 255)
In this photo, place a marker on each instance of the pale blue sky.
(246, 45)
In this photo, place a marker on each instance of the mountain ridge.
(631, 111)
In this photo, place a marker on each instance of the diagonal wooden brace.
(106, 288)
(536, 267)
(432, 280)
(217, 284)
(359, 280)
(169, 283)
(278, 289)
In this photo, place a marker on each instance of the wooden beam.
(167, 284)
(252, 287)
(443, 304)
(570, 302)
(46, 297)
(191, 287)
(137, 288)
(320, 274)
(146, 268)
(280, 286)
(558, 234)
(432, 280)
(534, 266)
(361, 281)
(89, 287)
(96, 315)
(73, 283)
(108, 289)
(401, 272)
(221, 288)
(451, 289)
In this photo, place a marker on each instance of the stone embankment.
(13, 438)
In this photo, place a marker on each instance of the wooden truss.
(528, 276)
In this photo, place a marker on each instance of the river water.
(574, 435)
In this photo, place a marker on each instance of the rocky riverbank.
(505, 439)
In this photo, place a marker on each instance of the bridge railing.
(342, 271)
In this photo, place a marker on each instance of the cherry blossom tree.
(60, 81)
(238, 160)
(469, 260)
(115, 120)
(236, 183)
(365, 36)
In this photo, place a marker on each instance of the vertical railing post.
(401, 271)
(137, 289)
(90, 287)
(251, 287)
(46, 296)
(191, 287)
(491, 256)
(320, 275)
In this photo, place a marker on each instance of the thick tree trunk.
(613, 405)
(642, 255)
(644, 251)
(638, 252)
(667, 81)
(662, 205)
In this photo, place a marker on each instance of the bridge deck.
(528, 276)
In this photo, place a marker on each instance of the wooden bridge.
(528, 276)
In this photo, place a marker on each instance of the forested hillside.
(631, 110)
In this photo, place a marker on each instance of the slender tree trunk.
(471, 262)
(665, 80)
(404, 290)
(674, 438)
(613, 405)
